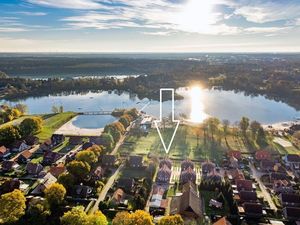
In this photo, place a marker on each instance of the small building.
(248, 196)
(33, 168)
(282, 186)
(292, 161)
(9, 165)
(188, 204)
(57, 139)
(46, 181)
(188, 175)
(97, 173)
(127, 184)
(108, 160)
(187, 164)
(24, 157)
(118, 198)
(244, 185)
(253, 210)
(32, 140)
(135, 161)
(166, 162)
(157, 201)
(82, 191)
(4, 152)
(46, 146)
(20, 146)
(50, 158)
(291, 213)
(267, 165)
(262, 155)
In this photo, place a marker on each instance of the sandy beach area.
(68, 129)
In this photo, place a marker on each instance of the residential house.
(267, 165)
(234, 162)
(262, 155)
(33, 168)
(46, 146)
(277, 176)
(19, 146)
(135, 161)
(244, 185)
(188, 175)
(127, 184)
(291, 213)
(46, 181)
(9, 165)
(32, 140)
(118, 198)
(24, 157)
(289, 199)
(235, 174)
(82, 191)
(282, 186)
(57, 170)
(157, 200)
(4, 152)
(75, 140)
(222, 221)
(187, 164)
(108, 160)
(97, 173)
(50, 158)
(57, 139)
(98, 140)
(207, 167)
(188, 204)
(253, 210)
(163, 175)
(292, 161)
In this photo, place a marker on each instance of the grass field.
(52, 123)
(17, 121)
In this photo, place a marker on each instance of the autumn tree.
(55, 194)
(139, 217)
(171, 220)
(30, 126)
(67, 180)
(9, 134)
(96, 149)
(108, 141)
(21, 107)
(87, 156)
(244, 125)
(78, 169)
(77, 216)
(254, 127)
(12, 206)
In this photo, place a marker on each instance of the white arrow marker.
(167, 149)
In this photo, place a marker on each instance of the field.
(52, 122)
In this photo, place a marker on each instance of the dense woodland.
(276, 76)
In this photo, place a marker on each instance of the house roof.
(293, 158)
(118, 195)
(222, 221)
(292, 212)
(290, 198)
(278, 176)
(3, 149)
(126, 183)
(108, 159)
(188, 175)
(262, 154)
(166, 162)
(253, 208)
(235, 154)
(52, 156)
(34, 168)
(187, 164)
(236, 174)
(83, 190)
(267, 164)
(75, 139)
(245, 185)
(135, 160)
(18, 143)
(31, 140)
(26, 154)
(248, 196)
(8, 164)
(9, 185)
(208, 167)
(57, 170)
(87, 145)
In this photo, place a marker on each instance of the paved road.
(266, 194)
(106, 188)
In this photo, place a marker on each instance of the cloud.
(69, 4)
(12, 29)
(32, 13)
(257, 30)
(158, 33)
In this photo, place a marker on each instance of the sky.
(149, 25)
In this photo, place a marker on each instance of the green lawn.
(52, 123)
(17, 121)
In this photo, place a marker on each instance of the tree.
(261, 138)
(12, 206)
(96, 149)
(9, 134)
(77, 216)
(124, 121)
(37, 212)
(139, 217)
(79, 169)
(254, 126)
(87, 156)
(226, 130)
(244, 124)
(22, 108)
(55, 194)
(108, 141)
(213, 124)
(67, 180)
(55, 109)
(171, 220)
(31, 126)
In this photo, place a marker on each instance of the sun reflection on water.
(197, 107)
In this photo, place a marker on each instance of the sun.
(197, 107)
(196, 16)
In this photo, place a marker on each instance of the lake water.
(197, 105)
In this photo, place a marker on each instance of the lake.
(197, 105)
